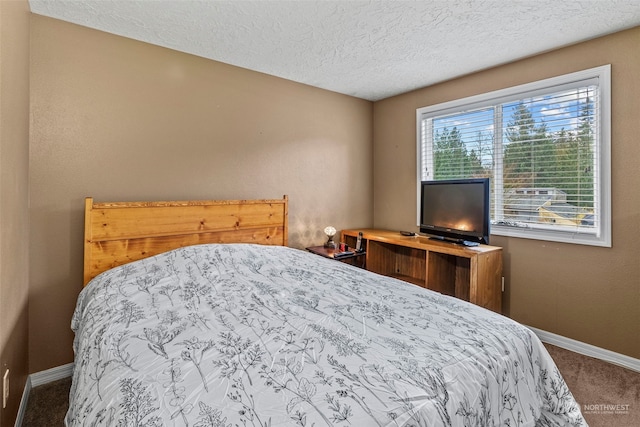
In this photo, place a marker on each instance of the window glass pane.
(549, 169)
(463, 145)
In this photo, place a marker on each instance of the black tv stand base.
(455, 241)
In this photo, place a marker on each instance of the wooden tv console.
(473, 274)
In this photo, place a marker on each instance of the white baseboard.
(50, 375)
(41, 378)
(23, 403)
(588, 349)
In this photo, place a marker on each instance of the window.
(545, 146)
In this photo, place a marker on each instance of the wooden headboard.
(121, 232)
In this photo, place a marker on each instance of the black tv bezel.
(454, 235)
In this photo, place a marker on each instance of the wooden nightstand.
(357, 258)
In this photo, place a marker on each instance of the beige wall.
(14, 198)
(118, 119)
(586, 293)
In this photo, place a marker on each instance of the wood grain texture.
(473, 274)
(120, 232)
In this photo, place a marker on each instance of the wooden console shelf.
(473, 274)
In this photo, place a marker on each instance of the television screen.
(456, 210)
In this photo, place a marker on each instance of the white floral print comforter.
(249, 335)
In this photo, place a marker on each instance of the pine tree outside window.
(545, 146)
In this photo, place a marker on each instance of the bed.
(221, 324)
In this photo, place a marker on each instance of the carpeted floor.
(609, 395)
(48, 404)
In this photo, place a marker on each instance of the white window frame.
(602, 235)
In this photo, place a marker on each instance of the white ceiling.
(367, 49)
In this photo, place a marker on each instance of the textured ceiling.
(367, 49)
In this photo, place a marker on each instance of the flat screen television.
(455, 210)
